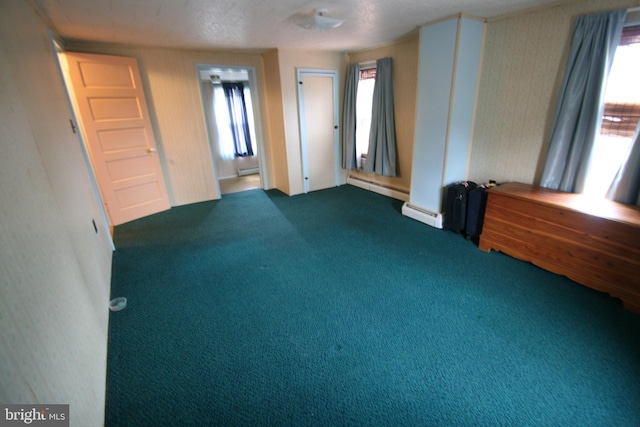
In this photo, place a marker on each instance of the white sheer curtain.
(223, 124)
(626, 185)
(252, 124)
(364, 106)
(234, 94)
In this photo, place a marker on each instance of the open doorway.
(229, 97)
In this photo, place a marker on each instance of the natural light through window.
(225, 124)
(364, 103)
(622, 108)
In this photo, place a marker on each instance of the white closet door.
(319, 129)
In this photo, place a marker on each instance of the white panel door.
(319, 129)
(115, 119)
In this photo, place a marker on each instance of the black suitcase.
(476, 205)
(455, 206)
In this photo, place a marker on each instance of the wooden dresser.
(595, 243)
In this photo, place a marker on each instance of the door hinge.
(73, 127)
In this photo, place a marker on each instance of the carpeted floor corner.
(332, 309)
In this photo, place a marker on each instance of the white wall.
(448, 72)
(55, 270)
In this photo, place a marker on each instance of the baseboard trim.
(377, 188)
(434, 219)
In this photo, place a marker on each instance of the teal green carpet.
(332, 309)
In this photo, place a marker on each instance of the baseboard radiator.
(380, 189)
(433, 219)
(248, 171)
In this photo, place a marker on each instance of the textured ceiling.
(255, 24)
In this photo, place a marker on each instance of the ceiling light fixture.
(319, 21)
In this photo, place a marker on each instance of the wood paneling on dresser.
(595, 243)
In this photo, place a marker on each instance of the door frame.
(58, 49)
(301, 73)
(257, 120)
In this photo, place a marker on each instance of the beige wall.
(174, 99)
(289, 62)
(405, 70)
(524, 59)
(176, 110)
(173, 92)
(275, 116)
(54, 269)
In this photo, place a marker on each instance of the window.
(233, 113)
(364, 104)
(621, 114)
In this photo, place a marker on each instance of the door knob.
(151, 150)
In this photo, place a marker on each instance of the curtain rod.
(634, 9)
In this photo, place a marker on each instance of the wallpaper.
(523, 64)
(275, 118)
(55, 268)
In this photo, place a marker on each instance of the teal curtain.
(381, 155)
(580, 105)
(626, 185)
(349, 118)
